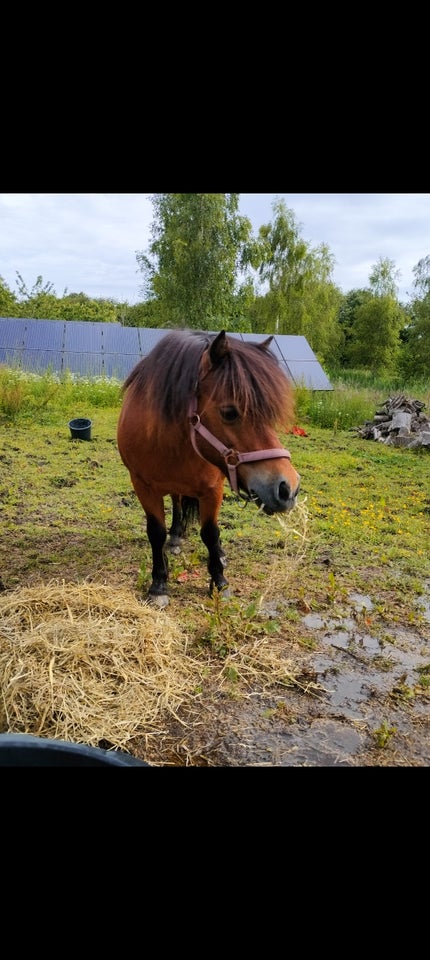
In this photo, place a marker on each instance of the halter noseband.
(231, 457)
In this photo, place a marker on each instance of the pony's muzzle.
(275, 495)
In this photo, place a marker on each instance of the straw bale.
(90, 664)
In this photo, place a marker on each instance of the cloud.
(88, 241)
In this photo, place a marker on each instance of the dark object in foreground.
(24, 750)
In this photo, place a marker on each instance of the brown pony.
(198, 409)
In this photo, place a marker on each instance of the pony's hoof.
(160, 600)
(225, 594)
(175, 545)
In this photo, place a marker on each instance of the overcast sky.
(87, 242)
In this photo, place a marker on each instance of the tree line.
(205, 269)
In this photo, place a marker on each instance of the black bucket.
(80, 428)
(26, 750)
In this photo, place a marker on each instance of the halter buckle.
(232, 458)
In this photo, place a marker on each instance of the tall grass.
(24, 395)
(365, 379)
(355, 397)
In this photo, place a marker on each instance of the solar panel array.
(91, 349)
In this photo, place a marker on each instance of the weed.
(383, 735)
(13, 396)
(424, 677)
(402, 692)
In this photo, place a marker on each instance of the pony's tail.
(189, 511)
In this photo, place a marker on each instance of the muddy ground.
(360, 703)
(362, 697)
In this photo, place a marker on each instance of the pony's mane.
(249, 376)
(167, 377)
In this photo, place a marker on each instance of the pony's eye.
(229, 414)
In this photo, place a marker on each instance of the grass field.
(68, 513)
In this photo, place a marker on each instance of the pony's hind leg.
(184, 511)
(176, 536)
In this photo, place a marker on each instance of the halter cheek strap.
(231, 457)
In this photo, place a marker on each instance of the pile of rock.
(400, 422)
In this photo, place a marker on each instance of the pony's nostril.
(284, 491)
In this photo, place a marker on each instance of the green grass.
(367, 503)
(68, 512)
(365, 498)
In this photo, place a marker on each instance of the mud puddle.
(366, 707)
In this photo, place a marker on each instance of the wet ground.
(367, 702)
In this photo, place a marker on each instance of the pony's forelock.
(248, 376)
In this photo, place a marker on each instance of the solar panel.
(39, 361)
(116, 339)
(260, 338)
(13, 334)
(11, 358)
(83, 337)
(295, 348)
(107, 349)
(118, 366)
(148, 339)
(84, 364)
(308, 373)
(44, 335)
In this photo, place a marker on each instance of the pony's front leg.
(217, 561)
(153, 506)
(209, 507)
(157, 534)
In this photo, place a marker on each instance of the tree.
(415, 355)
(8, 300)
(414, 360)
(78, 306)
(346, 317)
(383, 277)
(284, 266)
(320, 323)
(421, 272)
(197, 250)
(41, 303)
(301, 299)
(145, 314)
(38, 289)
(376, 330)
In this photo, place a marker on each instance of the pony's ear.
(265, 343)
(218, 348)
